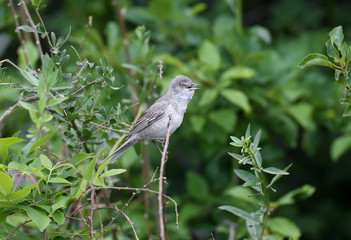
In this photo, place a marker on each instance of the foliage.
(258, 221)
(244, 55)
(338, 51)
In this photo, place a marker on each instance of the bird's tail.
(116, 154)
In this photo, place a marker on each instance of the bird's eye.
(182, 85)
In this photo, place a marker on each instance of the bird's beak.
(192, 86)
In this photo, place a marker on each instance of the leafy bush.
(103, 76)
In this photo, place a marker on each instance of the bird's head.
(182, 87)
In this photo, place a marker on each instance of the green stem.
(238, 14)
(264, 190)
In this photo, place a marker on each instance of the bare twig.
(130, 222)
(10, 62)
(87, 29)
(160, 186)
(153, 86)
(92, 207)
(112, 129)
(36, 35)
(19, 226)
(7, 112)
(42, 22)
(19, 34)
(146, 168)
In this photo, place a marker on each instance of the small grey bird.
(153, 125)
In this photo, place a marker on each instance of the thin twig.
(42, 22)
(160, 186)
(10, 62)
(36, 35)
(92, 206)
(153, 86)
(19, 34)
(7, 112)
(146, 168)
(87, 29)
(112, 129)
(130, 222)
(19, 226)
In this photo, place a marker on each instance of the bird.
(153, 124)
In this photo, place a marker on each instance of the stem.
(160, 186)
(36, 35)
(264, 190)
(19, 34)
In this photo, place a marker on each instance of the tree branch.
(161, 181)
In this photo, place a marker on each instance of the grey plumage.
(153, 125)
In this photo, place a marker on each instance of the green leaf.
(28, 106)
(56, 101)
(316, 59)
(62, 202)
(208, 97)
(62, 86)
(90, 170)
(32, 54)
(59, 217)
(224, 118)
(284, 227)
(298, 194)
(238, 157)
(78, 158)
(276, 177)
(5, 144)
(275, 171)
(30, 78)
(6, 184)
(340, 146)
(196, 186)
(81, 189)
(209, 55)
(332, 52)
(99, 181)
(240, 213)
(21, 194)
(59, 180)
(303, 114)
(257, 139)
(113, 172)
(45, 161)
(27, 28)
(39, 216)
(247, 177)
(238, 72)
(237, 98)
(42, 141)
(347, 112)
(337, 36)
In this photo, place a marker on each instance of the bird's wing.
(154, 113)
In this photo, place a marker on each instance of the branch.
(92, 206)
(19, 34)
(36, 35)
(16, 106)
(160, 186)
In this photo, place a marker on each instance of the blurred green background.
(246, 63)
